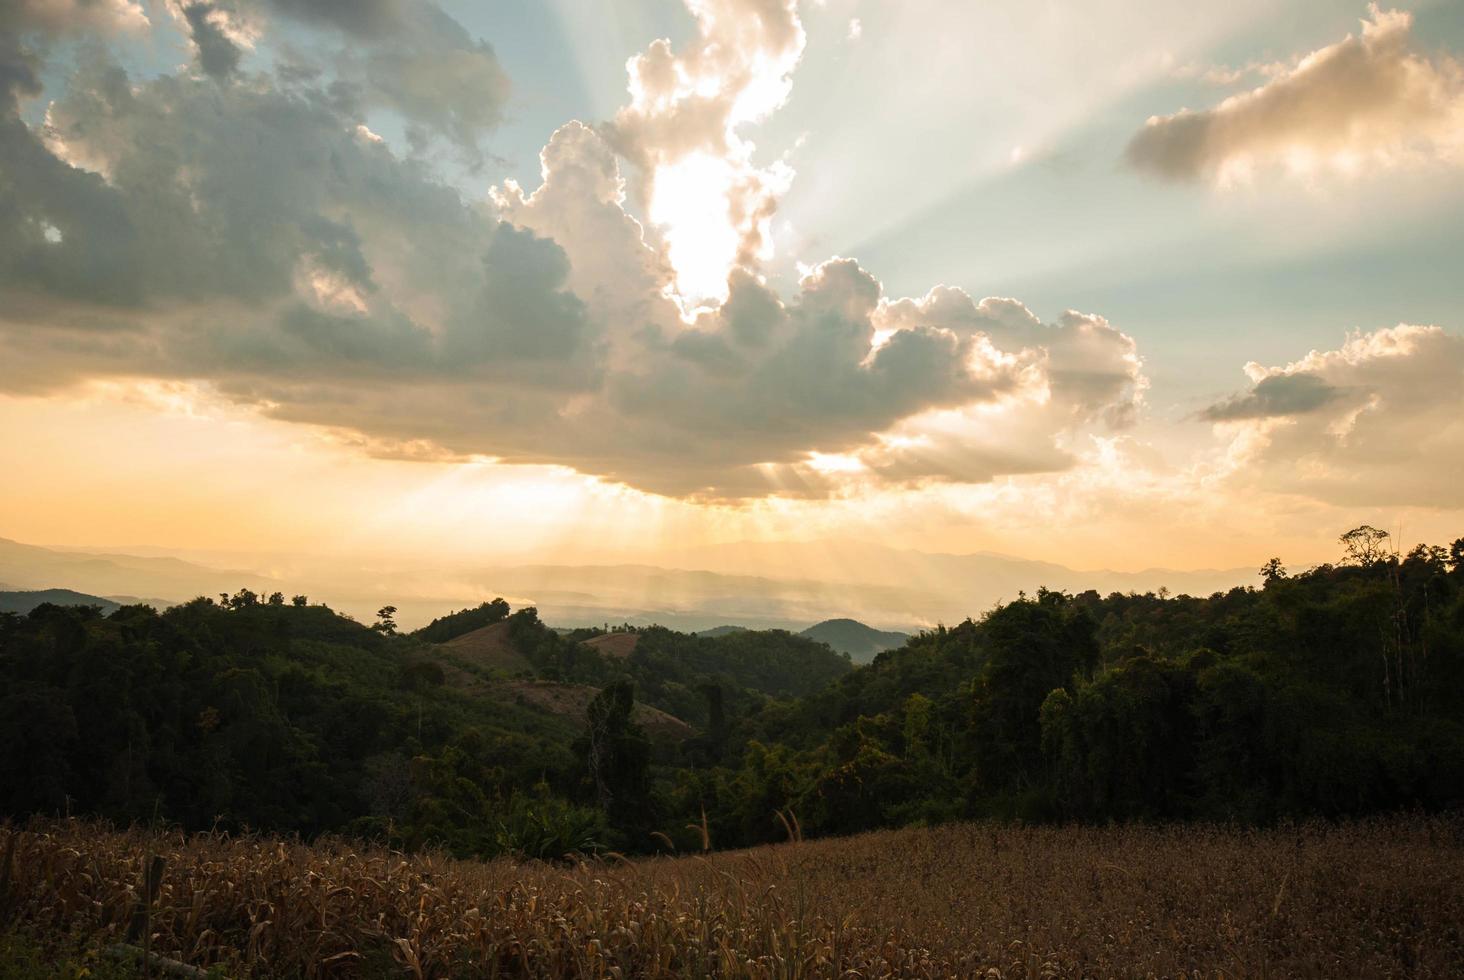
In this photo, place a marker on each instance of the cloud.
(1273, 396)
(581, 204)
(358, 18)
(1090, 371)
(761, 383)
(247, 233)
(412, 58)
(57, 17)
(1368, 102)
(1066, 380)
(27, 27)
(1379, 421)
(758, 387)
(430, 69)
(184, 229)
(681, 130)
(218, 42)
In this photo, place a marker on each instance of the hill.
(488, 648)
(719, 631)
(614, 644)
(487, 662)
(572, 701)
(1332, 693)
(789, 586)
(862, 643)
(26, 600)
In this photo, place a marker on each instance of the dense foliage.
(1339, 691)
(455, 624)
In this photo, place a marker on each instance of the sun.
(691, 204)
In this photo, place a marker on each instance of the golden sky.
(126, 465)
(345, 285)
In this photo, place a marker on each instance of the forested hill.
(850, 636)
(1336, 691)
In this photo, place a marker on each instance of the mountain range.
(24, 601)
(756, 586)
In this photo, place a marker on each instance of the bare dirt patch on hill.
(488, 648)
(573, 701)
(614, 644)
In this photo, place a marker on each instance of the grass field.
(488, 648)
(1377, 899)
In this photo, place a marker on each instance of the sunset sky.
(1113, 284)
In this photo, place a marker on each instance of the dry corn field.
(1378, 898)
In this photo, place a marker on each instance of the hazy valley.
(901, 591)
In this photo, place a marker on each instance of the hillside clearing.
(489, 648)
(614, 644)
(573, 701)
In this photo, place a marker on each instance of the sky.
(1111, 284)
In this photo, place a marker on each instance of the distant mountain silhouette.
(24, 600)
(862, 643)
(27, 566)
(758, 587)
(902, 588)
(721, 631)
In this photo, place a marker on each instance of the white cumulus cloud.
(1371, 101)
(1378, 421)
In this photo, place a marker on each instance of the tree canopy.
(1330, 692)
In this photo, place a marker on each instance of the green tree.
(386, 620)
(1365, 545)
(1032, 647)
(1122, 746)
(617, 756)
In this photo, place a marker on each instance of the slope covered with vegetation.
(862, 643)
(251, 711)
(1336, 692)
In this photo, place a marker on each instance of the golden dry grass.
(489, 647)
(614, 644)
(573, 701)
(1376, 899)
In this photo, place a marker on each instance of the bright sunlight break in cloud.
(465, 278)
